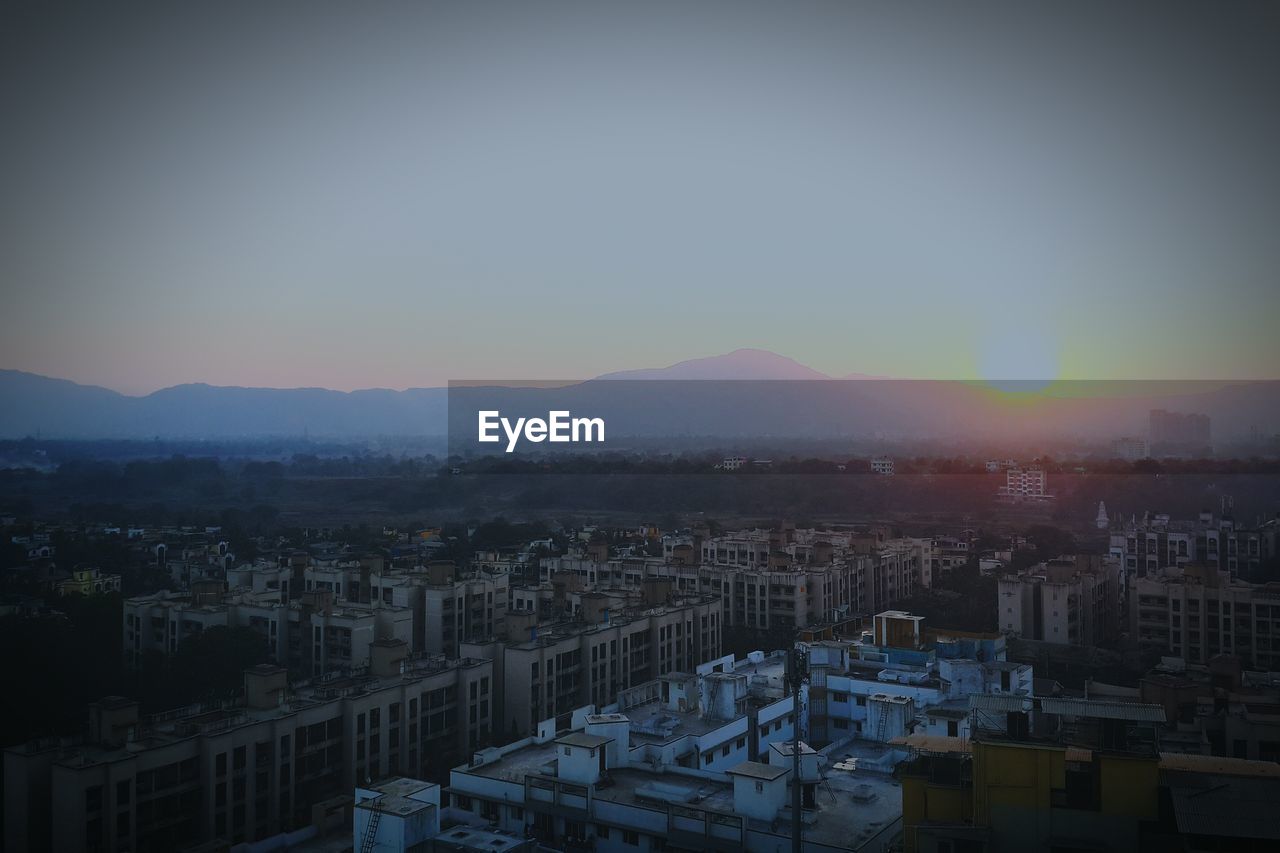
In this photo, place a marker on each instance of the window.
(631, 837)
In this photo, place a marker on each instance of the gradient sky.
(398, 194)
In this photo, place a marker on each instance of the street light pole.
(795, 677)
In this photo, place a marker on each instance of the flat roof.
(756, 770)
(393, 804)
(583, 739)
(868, 798)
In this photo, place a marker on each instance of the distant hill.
(56, 408)
(739, 364)
(789, 400)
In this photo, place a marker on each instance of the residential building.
(1071, 600)
(247, 770)
(1159, 541)
(1025, 484)
(1195, 612)
(89, 581)
(312, 635)
(601, 786)
(900, 678)
(547, 670)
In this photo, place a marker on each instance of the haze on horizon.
(400, 195)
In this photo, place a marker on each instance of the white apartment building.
(674, 776)
(897, 680)
(1071, 600)
(1025, 484)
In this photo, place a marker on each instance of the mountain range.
(790, 399)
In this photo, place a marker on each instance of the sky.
(399, 194)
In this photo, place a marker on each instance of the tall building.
(1195, 612)
(1071, 600)
(588, 660)
(245, 771)
(1158, 541)
(312, 635)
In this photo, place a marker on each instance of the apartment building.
(1071, 600)
(720, 714)
(1158, 541)
(1025, 484)
(447, 609)
(816, 583)
(548, 670)
(1196, 612)
(900, 678)
(312, 635)
(247, 770)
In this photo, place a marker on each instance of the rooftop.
(756, 770)
(584, 740)
(396, 805)
(853, 804)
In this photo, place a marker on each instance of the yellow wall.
(1023, 776)
(1015, 775)
(923, 802)
(1130, 786)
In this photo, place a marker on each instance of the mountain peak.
(745, 363)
